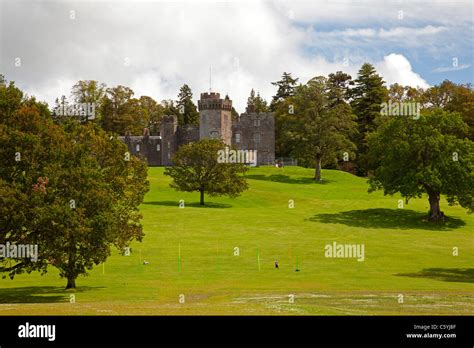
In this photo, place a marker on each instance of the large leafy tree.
(280, 105)
(367, 96)
(89, 91)
(400, 94)
(462, 101)
(319, 130)
(452, 97)
(188, 113)
(67, 188)
(196, 169)
(430, 155)
(121, 113)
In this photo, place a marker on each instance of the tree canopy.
(286, 87)
(196, 169)
(367, 96)
(68, 188)
(187, 110)
(429, 155)
(319, 129)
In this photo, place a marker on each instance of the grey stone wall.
(252, 131)
(169, 141)
(187, 134)
(147, 147)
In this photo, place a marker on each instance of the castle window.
(214, 135)
(169, 155)
(256, 122)
(237, 137)
(138, 147)
(256, 137)
(157, 147)
(169, 145)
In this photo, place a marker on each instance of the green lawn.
(403, 255)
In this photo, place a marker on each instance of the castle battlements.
(213, 100)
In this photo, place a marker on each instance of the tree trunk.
(70, 272)
(435, 213)
(202, 197)
(317, 173)
(71, 283)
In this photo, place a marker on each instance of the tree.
(452, 97)
(188, 113)
(439, 96)
(339, 87)
(169, 108)
(462, 101)
(10, 98)
(89, 91)
(122, 114)
(367, 96)
(234, 114)
(319, 131)
(286, 87)
(67, 188)
(196, 168)
(153, 112)
(255, 103)
(429, 155)
(279, 105)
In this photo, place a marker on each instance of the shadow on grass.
(387, 218)
(39, 294)
(286, 179)
(461, 275)
(194, 204)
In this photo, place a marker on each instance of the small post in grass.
(217, 260)
(258, 259)
(103, 267)
(179, 258)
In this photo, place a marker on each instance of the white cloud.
(396, 68)
(399, 33)
(380, 12)
(451, 68)
(247, 44)
(406, 32)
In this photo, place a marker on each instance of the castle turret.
(215, 117)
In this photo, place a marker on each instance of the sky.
(155, 47)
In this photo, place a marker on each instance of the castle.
(249, 131)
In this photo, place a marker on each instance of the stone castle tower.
(215, 117)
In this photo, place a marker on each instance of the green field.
(403, 255)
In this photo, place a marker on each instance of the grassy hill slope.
(404, 255)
